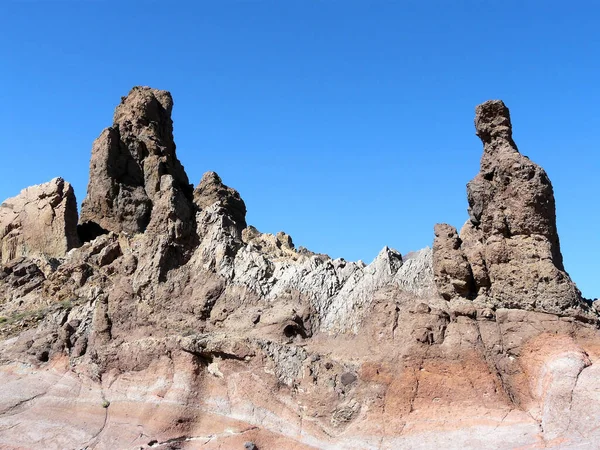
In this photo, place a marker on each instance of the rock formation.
(508, 252)
(176, 325)
(212, 190)
(40, 221)
(129, 161)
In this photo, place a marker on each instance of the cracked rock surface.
(171, 323)
(40, 221)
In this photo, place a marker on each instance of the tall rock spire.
(510, 240)
(128, 161)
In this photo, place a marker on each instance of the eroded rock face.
(40, 221)
(179, 326)
(137, 185)
(508, 252)
(129, 161)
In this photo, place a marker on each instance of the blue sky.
(347, 124)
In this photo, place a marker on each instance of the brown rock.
(452, 272)
(211, 190)
(197, 334)
(40, 221)
(128, 161)
(510, 241)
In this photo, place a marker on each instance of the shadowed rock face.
(40, 221)
(510, 240)
(175, 325)
(129, 161)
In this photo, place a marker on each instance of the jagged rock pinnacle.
(181, 323)
(510, 240)
(128, 161)
(211, 190)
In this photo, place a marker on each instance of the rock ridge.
(162, 319)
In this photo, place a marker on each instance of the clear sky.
(347, 124)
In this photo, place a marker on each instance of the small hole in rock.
(290, 330)
(89, 231)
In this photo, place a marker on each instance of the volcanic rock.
(453, 273)
(128, 163)
(175, 325)
(508, 252)
(211, 190)
(40, 221)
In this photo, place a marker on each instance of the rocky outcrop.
(453, 275)
(128, 164)
(211, 190)
(137, 185)
(508, 252)
(176, 325)
(40, 221)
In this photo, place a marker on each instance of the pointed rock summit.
(211, 190)
(508, 252)
(129, 163)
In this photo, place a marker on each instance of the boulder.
(40, 221)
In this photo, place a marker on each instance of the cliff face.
(170, 323)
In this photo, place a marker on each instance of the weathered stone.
(348, 378)
(40, 221)
(201, 333)
(452, 272)
(508, 251)
(211, 190)
(128, 162)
